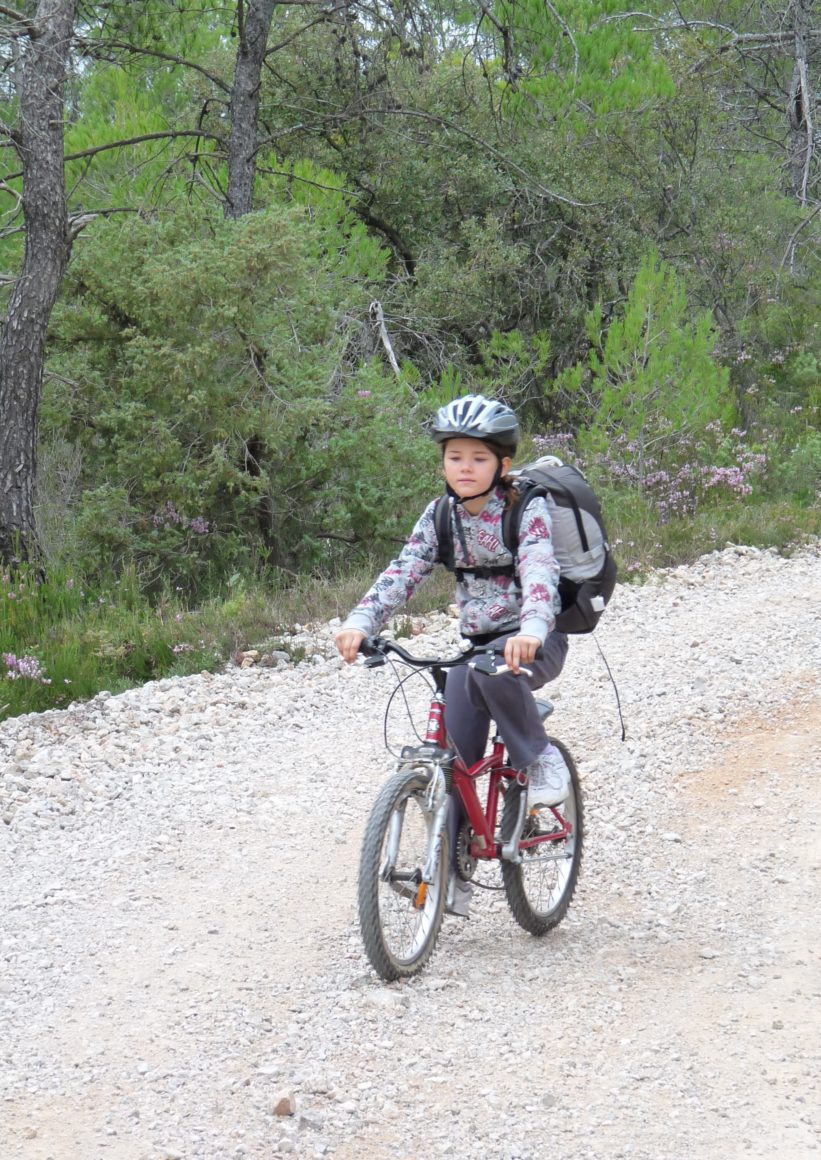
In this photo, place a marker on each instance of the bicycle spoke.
(539, 888)
(400, 915)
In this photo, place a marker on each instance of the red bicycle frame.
(483, 821)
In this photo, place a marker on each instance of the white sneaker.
(548, 779)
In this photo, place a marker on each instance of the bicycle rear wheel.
(400, 916)
(540, 887)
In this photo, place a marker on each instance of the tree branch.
(566, 29)
(809, 131)
(78, 221)
(378, 319)
(274, 48)
(12, 192)
(274, 137)
(790, 250)
(392, 235)
(736, 39)
(27, 27)
(127, 141)
(306, 181)
(93, 49)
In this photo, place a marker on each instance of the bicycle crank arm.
(510, 850)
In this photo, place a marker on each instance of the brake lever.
(487, 664)
(372, 653)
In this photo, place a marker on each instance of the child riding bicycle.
(479, 437)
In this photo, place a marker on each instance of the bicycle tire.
(401, 906)
(550, 870)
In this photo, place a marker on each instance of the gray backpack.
(587, 568)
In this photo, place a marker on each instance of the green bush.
(799, 471)
(209, 377)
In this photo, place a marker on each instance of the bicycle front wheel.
(400, 916)
(540, 887)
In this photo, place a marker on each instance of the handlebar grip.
(507, 669)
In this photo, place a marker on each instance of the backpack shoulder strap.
(512, 516)
(444, 533)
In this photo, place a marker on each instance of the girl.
(479, 437)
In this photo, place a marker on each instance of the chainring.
(465, 862)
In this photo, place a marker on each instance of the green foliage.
(799, 472)
(584, 60)
(143, 97)
(651, 380)
(61, 640)
(199, 366)
(778, 367)
(515, 365)
(217, 402)
(379, 468)
(472, 278)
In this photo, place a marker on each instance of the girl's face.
(470, 466)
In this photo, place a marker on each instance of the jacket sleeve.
(538, 571)
(394, 587)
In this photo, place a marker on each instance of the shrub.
(206, 369)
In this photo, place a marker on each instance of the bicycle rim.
(540, 887)
(400, 916)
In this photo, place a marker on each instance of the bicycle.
(405, 857)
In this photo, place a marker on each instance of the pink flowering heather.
(170, 517)
(28, 667)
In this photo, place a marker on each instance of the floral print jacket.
(498, 604)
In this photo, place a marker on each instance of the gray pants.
(474, 699)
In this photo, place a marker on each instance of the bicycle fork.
(437, 802)
(436, 805)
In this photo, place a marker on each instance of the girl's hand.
(521, 650)
(347, 641)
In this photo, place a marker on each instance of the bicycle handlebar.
(375, 648)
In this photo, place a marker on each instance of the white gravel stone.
(179, 943)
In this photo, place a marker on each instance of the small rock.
(285, 1104)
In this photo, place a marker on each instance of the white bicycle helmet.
(475, 417)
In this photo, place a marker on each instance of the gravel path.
(181, 963)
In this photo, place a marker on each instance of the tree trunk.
(801, 103)
(254, 26)
(48, 244)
